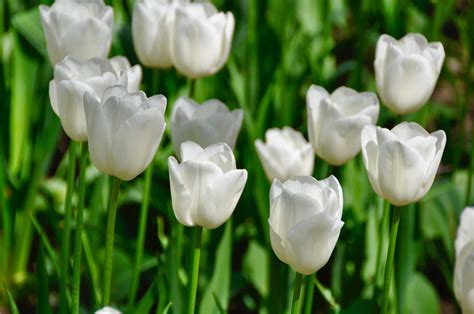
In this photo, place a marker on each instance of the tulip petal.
(180, 196)
(463, 274)
(312, 242)
(408, 130)
(268, 159)
(465, 233)
(53, 97)
(400, 172)
(278, 246)
(225, 191)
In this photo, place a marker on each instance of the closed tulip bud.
(72, 78)
(201, 39)
(151, 29)
(121, 65)
(305, 221)
(108, 310)
(464, 266)
(78, 28)
(205, 186)
(402, 163)
(285, 154)
(335, 121)
(206, 124)
(125, 130)
(406, 71)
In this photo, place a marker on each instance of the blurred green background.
(280, 48)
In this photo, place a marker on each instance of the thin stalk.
(63, 307)
(390, 256)
(295, 303)
(109, 242)
(327, 294)
(309, 294)
(76, 272)
(195, 269)
(141, 234)
(191, 87)
(383, 229)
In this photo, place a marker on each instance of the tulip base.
(296, 302)
(390, 257)
(109, 242)
(194, 269)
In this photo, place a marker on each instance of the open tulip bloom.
(78, 28)
(73, 78)
(205, 186)
(406, 71)
(464, 267)
(285, 154)
(305, 221)
(206, 124)
(402, 163)
(125, 130)
(335, 121)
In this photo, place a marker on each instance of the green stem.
(390, 256)
(295, 304)
(195, 269)
(308, 307)
(383, 229)
(109, 242)
(191, 87)
(76, 272)
(63, 307)
(327, 294)
(141, 234)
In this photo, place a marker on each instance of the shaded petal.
(465, 233)
(180, 196)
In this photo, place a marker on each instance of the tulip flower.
(335, 121)
(206, 124)
(402, 163)
(205, 186)
(201, 39)
(108, 310)
(465, 232)
(285, 154)
(80, 29)
(72, 78)
(464, 267)
(152, 23)
(125, 130)
(406, 71)
(305, 221)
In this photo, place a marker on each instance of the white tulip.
(206, 124)
(465, 232)
(121, 65)
(406, 71)
(201, 39)
(285, 154)
(78, 28)
(72, 78)
(125, 130)
(335, 121)
(206, 186)
(152, 24)
(108, 310)
(305, 221)
(402, 163)
(464, 278)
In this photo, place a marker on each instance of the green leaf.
(218, 304)
(421, 296)
(220, 281)
(42, 282)
(28, 25)
(11, 302)
(254, 269)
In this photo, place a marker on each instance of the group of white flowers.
(97, 100)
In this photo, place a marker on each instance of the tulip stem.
(109, 241)
(67, 226)
(295, 304)
(76, 272)
(309, 294)
(195, 269)
(141, 234)
(385, 206)
(390, 256)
